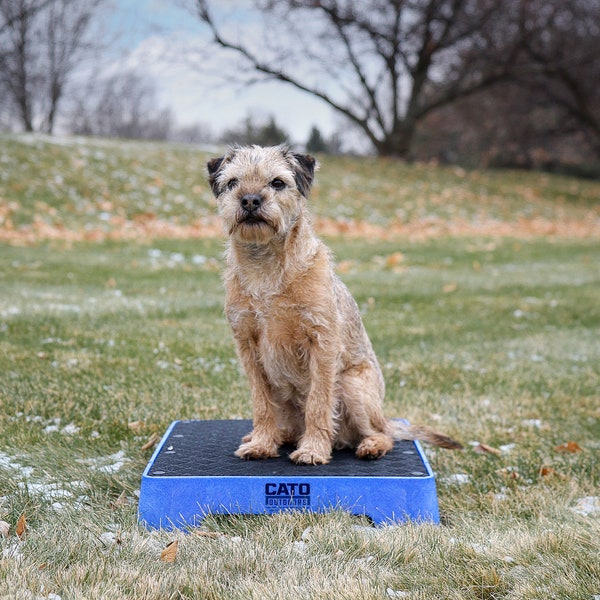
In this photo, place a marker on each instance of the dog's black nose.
(251, 202)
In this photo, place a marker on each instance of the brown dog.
(314, 377)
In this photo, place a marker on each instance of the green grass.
(99, 188)
(494, 340)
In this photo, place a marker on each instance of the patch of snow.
(535, 423)
(106, 464)
(456, 478)
(587, 506)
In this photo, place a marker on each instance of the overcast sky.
(150, 32)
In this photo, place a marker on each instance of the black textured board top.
(205, 449)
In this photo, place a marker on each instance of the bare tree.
(16, 81)
(383, 64)
(560, 63)
(42, 42)
(546, 114)
(124, 106)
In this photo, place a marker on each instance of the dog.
(314, 377)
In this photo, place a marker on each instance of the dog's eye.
(277, 184)
(231, 184)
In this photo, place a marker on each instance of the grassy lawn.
(106, 338)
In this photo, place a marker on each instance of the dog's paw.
(374, 447)
(255, 450)
(309, 456)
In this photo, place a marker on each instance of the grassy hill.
(80, 188)
(479, 290)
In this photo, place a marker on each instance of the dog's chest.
(282, 328)
(284, 333)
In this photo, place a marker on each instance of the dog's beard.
(256, 229)
(261, 227)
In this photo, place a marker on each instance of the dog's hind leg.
(362, 422)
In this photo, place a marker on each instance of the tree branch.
(280, 75)
(340, 24)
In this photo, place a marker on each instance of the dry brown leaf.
(485, 449)
(4, 529)
(345, 266)
(208, 534)
(449, 288)
(120, 502)
(152, 441)
(169, 554)
(551, 472)
(21, 528)
(569, 448)
(509, 472)
(394, 259)
(136, 425)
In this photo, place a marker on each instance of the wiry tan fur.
(314, 377)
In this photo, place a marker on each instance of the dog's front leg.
(316, 444)
(263, 442)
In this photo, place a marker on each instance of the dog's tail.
(405, 431)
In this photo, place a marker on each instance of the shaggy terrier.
(314, 377)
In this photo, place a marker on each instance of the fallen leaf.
(21, 528)
(208, 534)
(394, 259)
(509, 472)
(120, 502)
(345, 266)
(169, 554)
(485, 449)
(4, 529)
(568, 448)
(136, 425)
(152, 441)
(551, 472)
(449, 288)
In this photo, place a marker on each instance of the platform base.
(193, 472)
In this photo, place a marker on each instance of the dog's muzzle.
(250, 205)
(251, 202)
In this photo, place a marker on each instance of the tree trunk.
(398, 142)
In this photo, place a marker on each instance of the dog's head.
(260, 191)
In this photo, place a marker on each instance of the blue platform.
(193, 472)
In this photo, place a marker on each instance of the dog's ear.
(304, 171)
(214, 166)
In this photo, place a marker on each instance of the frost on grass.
(11, 463)
(55, 427)
(59, 493)
(587, 506)
(106, 464)
(48, 425)
(456, 479)
(43, 488)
